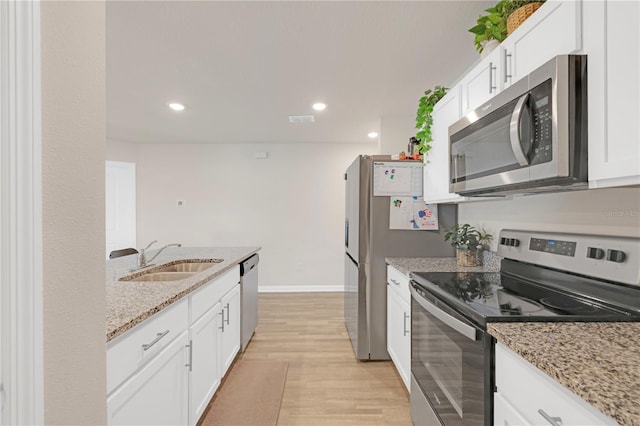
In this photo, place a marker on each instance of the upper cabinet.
(554, 29)
(612, 44)
(483, 82)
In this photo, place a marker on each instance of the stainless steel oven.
(449, 365)
(532, 137)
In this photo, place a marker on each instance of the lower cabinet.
(527, 396)
(157, 394)
(399, 323)
(166, 369)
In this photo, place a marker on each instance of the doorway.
(120, 204)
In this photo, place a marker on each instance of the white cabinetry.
(436, 169)
(483, 82)
(527, 396)
(166, 369)
(230, 328)
(612, 44)
(554, 29)
(399, 323)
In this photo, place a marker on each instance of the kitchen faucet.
(142, 258)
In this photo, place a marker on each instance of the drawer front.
(534, 394)
(134, 349)
(399, 282)
(504, 414)
(209, 294)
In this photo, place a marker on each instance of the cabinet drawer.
(504, 414)
(531, 392)
(399, 282)
(126, 354)
(209, 294)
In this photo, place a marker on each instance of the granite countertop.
(131, 302)
(406, 265)
(596, 361)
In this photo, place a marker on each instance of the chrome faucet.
(142, 256)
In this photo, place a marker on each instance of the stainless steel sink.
(188, 266)
(180, 270)
(164, 276)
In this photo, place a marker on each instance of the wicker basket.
(520, 15)
(466, 258)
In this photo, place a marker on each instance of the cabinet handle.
(222, 317)
(394, 281)
(406, 316)
(492, 70)
(154, 341)
(507, 74)
(555, 421)
(190, 346)
(227, 313)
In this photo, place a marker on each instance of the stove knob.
(595, 253)
(617, 256)
(514, 242)
(504, 241)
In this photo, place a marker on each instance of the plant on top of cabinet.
(424, 119)
(468, 241)
(495, 26)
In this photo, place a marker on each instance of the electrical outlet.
(180, 203)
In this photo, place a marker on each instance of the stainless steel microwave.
(531, 137)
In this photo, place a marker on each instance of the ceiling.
(241, 68)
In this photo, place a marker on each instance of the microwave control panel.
(541, 102)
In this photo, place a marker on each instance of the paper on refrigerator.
(413, 214)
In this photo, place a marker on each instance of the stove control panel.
(605, 257)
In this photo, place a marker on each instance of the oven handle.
(514, 131)
(466, 330)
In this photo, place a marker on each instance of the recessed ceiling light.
(176, 106)
(319, 106)
(373, 135)
(301, 119)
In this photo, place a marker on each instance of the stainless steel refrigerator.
(368, 241)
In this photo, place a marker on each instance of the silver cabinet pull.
(394, 281)
(154, 341)
(222, 317)
(492, 70)
(555, 421)
(507, 74)
(3, 397)
(227, 314)
(190, 346)
(406, 316)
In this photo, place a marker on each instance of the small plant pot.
(466, 258)
(488, 47)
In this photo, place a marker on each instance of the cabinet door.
(204, 377)
(482, 82)
(157, 394)
(398, 334)
(230, 327)
(436, 169)
(613, 48)
(554, 29)
(504, 414)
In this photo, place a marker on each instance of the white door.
(120, 203)
(230, 313)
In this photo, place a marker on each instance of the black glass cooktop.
(488, 297)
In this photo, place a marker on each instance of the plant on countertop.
(466, 237)
(493, 25)
(424, 118)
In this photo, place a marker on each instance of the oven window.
(449, 368)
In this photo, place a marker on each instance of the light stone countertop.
(131, 302)
(597, 361)
(406, 265)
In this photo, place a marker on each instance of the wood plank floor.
(325, 384)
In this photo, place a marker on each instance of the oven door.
(450, 365)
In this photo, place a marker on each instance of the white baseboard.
(299, 288)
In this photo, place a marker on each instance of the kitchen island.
(131, 302)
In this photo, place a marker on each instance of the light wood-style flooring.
(325, 384)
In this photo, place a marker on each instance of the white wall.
(395, 131)
(291, 204)
(73, 140)
(614, 211)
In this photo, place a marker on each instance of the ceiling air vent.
(301, 119)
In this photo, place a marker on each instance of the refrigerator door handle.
(346, 233)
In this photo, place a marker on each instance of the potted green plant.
(468, 241)
(424, 118)
(493, 25)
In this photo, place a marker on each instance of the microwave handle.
(466, 330)
(514, 131)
